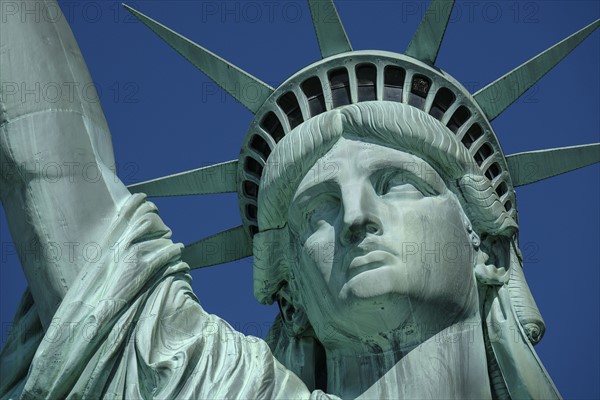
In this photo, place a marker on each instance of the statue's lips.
(373, 259)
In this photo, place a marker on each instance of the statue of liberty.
(352, 171)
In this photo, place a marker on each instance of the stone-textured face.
(382, 243)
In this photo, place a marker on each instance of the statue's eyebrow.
(420, 172)
(329, 185)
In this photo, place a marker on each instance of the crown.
(344, 77)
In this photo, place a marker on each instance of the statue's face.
(382, 242)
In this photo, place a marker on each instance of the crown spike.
(230, 245)
(498, 95)
(330, 32)
(218, 178)
(534, 166)
(230, 78)
(425, 44)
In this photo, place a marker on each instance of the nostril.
(358, 230)
(372, 228)
(354, 234)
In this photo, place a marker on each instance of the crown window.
(251, 211)
(442, 101)
(460, 116)
(393, 83)
(272, 126)
(289, 105)
(250, 189)
(260, 145)
(472, 135)
(418, 91)
(366, 74)
(253, 167)
(340, 87)
(483, 153)
(314, 93)
(493, 171)
(501, 189)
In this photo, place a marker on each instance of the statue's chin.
(380, 301)
(376, 301)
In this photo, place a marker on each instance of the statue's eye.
(321, 208)
(399, 183)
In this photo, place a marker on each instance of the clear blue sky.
(167, 117)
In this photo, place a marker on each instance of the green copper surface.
(218, 178)
(426, 42)
(230, 78)
(498, 95)
(330, 32)
(226, 246)
(533, 166)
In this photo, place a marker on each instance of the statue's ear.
(492, 263)
(294, 318)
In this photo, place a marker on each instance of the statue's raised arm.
(135, 329)
(56, 153)
(375, 198)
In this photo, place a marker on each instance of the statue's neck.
(450, 364)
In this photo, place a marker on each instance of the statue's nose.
(360, 214)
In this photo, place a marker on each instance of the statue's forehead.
(351, 144)
(351, 157)
(368, 151)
